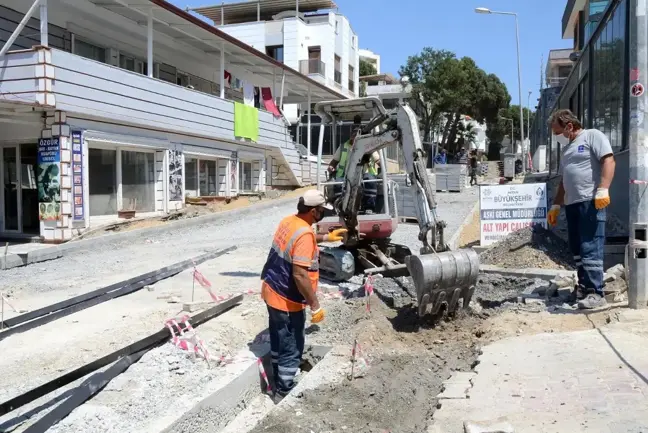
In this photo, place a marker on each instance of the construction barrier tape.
(263, 374)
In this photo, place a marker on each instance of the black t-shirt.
(473, 161)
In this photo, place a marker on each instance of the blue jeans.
(586, 227)
(286, 347)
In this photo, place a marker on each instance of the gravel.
(532, 247)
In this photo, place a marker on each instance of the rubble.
(532, 247)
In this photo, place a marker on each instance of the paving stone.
(562, 382)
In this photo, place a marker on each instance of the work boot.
(276, 397)
(578, 294)
(591, 301)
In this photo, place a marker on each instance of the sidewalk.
(585, 381)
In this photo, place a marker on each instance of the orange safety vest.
(278, 288)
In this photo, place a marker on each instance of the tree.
(426, 73)
(366, 68)
(466, 135)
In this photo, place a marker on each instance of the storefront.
(125, 174)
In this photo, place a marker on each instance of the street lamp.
(517, 40)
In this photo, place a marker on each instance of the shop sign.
(504, 209)
(77, 175)
(49, 179)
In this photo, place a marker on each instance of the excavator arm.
(398, 126)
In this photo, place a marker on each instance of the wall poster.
(175, 175)
(49, 179)
(77, 175)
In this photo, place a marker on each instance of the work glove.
(317, 315)
(335, 235)
(552, 216)
(602, 198)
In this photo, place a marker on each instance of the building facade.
(371, 58)
(108, 109)
(306, 35)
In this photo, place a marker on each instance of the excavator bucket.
(443, 279)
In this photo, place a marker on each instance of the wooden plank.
(29, 85)
(18, 73)
(21, 58)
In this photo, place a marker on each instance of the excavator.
(442, 278)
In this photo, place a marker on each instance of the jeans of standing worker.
(473, 176)
(586, 230)
(370, 193)
(286, 347)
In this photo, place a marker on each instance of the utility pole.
(638, 227)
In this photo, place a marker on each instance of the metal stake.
(2, 314)
(353, 357)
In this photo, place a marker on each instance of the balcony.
(388, 89)
(51, 79)
(312, 67)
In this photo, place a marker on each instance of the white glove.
(602, 198)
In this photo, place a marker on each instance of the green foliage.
(367, 68)
(502, 127)
(443, 84)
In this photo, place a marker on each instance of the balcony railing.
(312, 66)
(556, 81)
(338, 77)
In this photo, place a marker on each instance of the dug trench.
(407, 360)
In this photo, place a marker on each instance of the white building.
(306, 35)
(109, 106)
(371, 58)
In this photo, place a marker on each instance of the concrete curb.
(454, 240)
(543, 274)
(57, 251)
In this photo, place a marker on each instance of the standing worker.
(338, 166)
(587, 168)
(473, 168)
(289, 285)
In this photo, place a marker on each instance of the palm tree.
(466, 135)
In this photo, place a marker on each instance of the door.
(29, 189)
(11, 198)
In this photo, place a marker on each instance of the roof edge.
(240, 44)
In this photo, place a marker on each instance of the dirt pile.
(532, 247)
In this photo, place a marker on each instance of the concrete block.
(455, 391)
(543, 274)
(43, 254)
(496, 426)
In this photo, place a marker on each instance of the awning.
(240, 12)
(183, 26)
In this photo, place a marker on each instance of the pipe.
(149, 43)
(320, 146)
(44, 33)
(283, 81)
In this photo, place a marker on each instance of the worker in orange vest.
(290, 279)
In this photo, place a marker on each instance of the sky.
(398, 29)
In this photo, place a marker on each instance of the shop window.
(191, 176)
(245, 176)
(138, 180)
(102, 181)
(208, 178)
(608, 75)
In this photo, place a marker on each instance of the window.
(132, 64)
(351, 79)
(191, 179)
(336, 26)
(276, 52)
(608, 77)
(138, 180)
(338, 74)
(102, 164)
(245, 176)
(89, 51)
(208, 178)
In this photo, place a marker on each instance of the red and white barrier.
(264, 375)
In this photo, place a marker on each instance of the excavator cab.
(382, 220)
